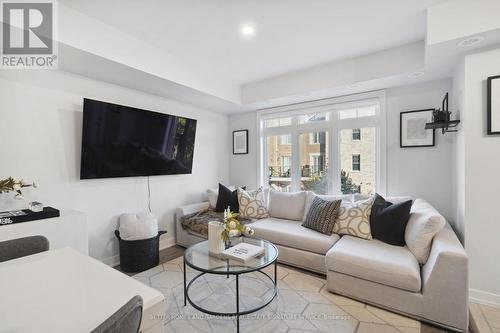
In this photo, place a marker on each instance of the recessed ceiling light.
(247, 30)
(416, 74)
(471, 41)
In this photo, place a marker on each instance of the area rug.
(303, 304)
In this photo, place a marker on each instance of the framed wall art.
(412, 129)
(240, 142)
(493, 105)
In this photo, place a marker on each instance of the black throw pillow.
(227, 198)
(388, 221)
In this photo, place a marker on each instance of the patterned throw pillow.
(354, 219)
(322, 215)
(252, 204)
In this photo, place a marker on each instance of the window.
(356, 134)
(314, 138)
(279, 163)
(286, 164)
(314, 162)
(359, 112)
(356, 162)
(278, 122)
(314, 118)
(329, 146)
(286, 139)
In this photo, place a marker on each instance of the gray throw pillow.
(322, 215)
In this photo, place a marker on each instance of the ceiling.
(291, 34)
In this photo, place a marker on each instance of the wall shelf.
(441, 119)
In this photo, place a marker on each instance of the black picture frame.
(401, 115)
(489, 105)
(238, 150)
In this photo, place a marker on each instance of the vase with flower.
(233, 227)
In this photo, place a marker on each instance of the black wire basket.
(139, 255)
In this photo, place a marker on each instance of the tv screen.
(121, 141)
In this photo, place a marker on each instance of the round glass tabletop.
(198, 257)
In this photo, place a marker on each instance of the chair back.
(126, 320)
(20, 247)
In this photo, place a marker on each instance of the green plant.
(14, 185)
(347, 185)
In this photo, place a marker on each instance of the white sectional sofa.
(369, 270)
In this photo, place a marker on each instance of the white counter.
(64, 291)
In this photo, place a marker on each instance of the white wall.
(40, 139)
(482, 180)
(420, 172)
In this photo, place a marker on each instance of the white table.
(65, 291)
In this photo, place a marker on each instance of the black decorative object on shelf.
(27, 215)
(441, 118)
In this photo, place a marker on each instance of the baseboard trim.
(167, 242)
(111, 261)
(484, 297)
(115, 260)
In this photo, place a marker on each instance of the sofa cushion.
(388, 221)
(328, 197)
(424, 223)
(354, 219)
(322, 215)
(285, 205)
(375, 261)
(227, 198)
(293, 234)
(252, 204)
(213, 194)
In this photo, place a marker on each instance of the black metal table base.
(238, 313)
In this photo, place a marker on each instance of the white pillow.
(286, 205)
(424, 223)
(138, 226)
(311, 195)
(213, 194)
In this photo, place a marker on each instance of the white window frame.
(333, 126)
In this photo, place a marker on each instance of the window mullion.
(295, 155)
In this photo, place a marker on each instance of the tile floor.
(485, 319)
(303, 304)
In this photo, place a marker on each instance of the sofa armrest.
(190, 209)
(445, 279)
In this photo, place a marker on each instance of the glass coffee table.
(198, 258)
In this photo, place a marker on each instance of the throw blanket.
(198, 222)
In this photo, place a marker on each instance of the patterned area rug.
(303, 304)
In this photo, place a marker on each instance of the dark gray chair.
(126, 320)
(20, 247)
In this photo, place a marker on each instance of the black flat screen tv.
(122, 141)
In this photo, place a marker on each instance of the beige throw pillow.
(354, 219)
(252, 204)
(424, 223)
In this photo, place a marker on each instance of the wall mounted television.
(122, 141)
